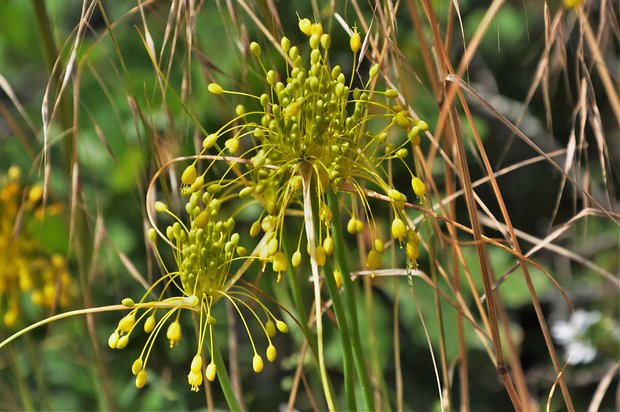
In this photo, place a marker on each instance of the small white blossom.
(572, 335)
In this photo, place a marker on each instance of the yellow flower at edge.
(26, 269)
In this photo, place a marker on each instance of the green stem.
(35, 356)
(351, 307)
(20, 381)
(309, 225)
(341, 320)
(345, 339)
(374, 363)
(301, 311)
(224, 379)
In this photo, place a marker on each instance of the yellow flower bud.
(211, 371)
(122, 342)
(379, 245)
(232, 144)
(305, 26)
(196, 365)
(280, 264)
(391, 94)
(136, 367)
(189, 175)
(412, 236)
(326, 41)
(328, 245)
(399, 230)
(257, 363)
(359, 226)
(422, 125)
(320, 256)
(272, 246)
(338, 278)
(316, 29)
(281, 326)
(174, 333)
(351, 226)
(202, 219)
(418, 186)
(215, 88)
(160, 207)
(314, 41)
(255, 229)
(296, 260)
(127, 322)
(412, 250)
(271, 353)
(401, 120)
(255, 49)
(141, 379)
(291, 110)
(128, 302)
(285, 43)
(374, 70)
(373, 261)
(414, 135)
(209, 141)
(113, 340)
(149, 324)
(355, 41)
(270, 328)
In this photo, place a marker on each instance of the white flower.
(572, 335)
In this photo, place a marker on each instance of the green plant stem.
(351, 307)
(345, 339)
(224, 379)
(296, 293)
(382, 398)
(309, 226)
(35, 356)
(20, 381)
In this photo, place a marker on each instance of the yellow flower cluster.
(28, 275)
(314, 124)
(203, 250)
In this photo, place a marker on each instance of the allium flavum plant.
(28, 275)
(310, 137)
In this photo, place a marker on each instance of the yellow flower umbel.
(24, 267)
(203, 253)
(313, 122)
